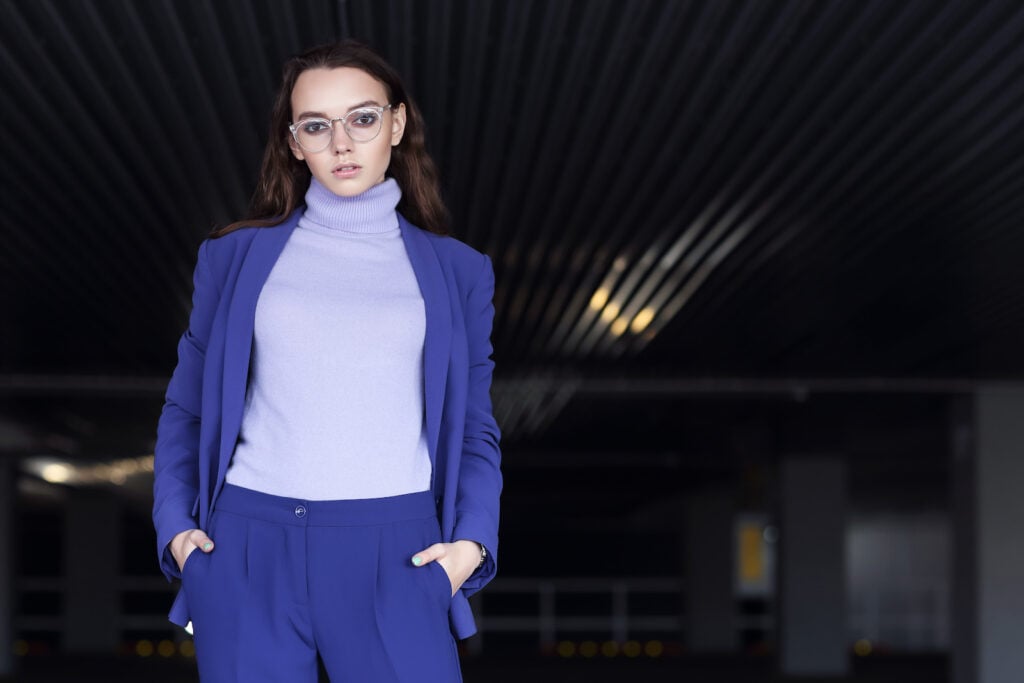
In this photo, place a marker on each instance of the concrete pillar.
(8, 565)
(963, 597)
(92, 556)
(710, 618)
(812, 583)
(988, 555)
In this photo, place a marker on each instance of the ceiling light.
(610, 312)
(642, 320)
(56, 472)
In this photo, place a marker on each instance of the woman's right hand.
(186, 542)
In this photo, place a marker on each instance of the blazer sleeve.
(176, 455)
(480, 479)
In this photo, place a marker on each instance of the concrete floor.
(517, 670)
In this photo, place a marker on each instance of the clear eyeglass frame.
(316, 134)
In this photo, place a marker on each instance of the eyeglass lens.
(362, 125)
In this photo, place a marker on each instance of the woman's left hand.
(459, 560)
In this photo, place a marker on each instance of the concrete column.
(812, 583)
(8, 565)
(988, 506)
(963, 596)
(92, 557)
(709, 545)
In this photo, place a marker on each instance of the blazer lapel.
(437, 344)
(263, 253)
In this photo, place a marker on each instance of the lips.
(345, 170)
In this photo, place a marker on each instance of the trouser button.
(300, 511)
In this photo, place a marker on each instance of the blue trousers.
(290, 579)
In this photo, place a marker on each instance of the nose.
(340, 138)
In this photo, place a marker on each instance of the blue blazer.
(202, 412)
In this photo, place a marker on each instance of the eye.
(365, 118)
(315, 127)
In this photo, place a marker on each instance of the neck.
(371, 212)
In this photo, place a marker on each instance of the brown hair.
(284, 179)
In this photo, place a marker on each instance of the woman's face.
(345, 167)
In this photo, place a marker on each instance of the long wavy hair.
(283, 179)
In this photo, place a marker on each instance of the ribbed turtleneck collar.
(371, 212)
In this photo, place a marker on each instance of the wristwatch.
(483, 555)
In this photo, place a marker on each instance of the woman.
(327, 465)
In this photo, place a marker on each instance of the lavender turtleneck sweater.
(334, 407)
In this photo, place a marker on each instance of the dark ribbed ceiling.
(666, 188)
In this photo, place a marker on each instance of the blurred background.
(759, 313)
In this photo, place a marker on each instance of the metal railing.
(540, 612)
(620, 623)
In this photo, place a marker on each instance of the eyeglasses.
(362, 125)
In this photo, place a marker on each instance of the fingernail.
(207, 546)
(417, 560)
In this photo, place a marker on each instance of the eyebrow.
(321, 115)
